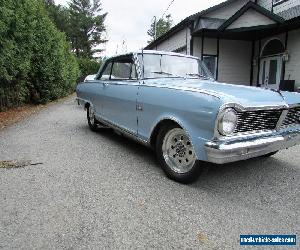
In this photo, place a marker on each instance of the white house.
(254, 43)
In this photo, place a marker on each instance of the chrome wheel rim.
(91, 115)
(178, 151)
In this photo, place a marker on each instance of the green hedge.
(36, 64)
(87, 67)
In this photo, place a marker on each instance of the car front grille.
(292, 117)
(249, 121)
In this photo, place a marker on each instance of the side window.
(106, 72)
(121, 71)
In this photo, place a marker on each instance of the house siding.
(234, 61)
(210, 46)
(197, 46)
(250, 19)
(293, 65)
(178, 40)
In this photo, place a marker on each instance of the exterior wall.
(178, 40)
(197, 46)
(227, 11)
(234, 58)
(250, 19)
(235, 62)
(280, 7)
(209, 48)
(292, 70)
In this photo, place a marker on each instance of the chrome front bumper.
(223, 151)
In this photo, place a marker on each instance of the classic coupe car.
(171, 102)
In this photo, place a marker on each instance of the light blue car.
(171, 103)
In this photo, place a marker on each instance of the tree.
(59, 15)
(162, 26)
(87, 27)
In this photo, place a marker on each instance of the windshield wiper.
(198, 75)
(165, 73)
(162, 73)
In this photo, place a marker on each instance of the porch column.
(218, 56)
(252, 58)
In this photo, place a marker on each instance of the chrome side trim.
(122, 82)
(123, 131)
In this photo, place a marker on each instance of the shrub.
(36, 64)
(87, 67)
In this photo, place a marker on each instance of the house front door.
(270, 73)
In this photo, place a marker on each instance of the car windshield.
(168, 66)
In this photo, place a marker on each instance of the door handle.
(105, 84)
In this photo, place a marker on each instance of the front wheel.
(176, 154)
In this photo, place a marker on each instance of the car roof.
(156, 52)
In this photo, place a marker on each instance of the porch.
(254, 47)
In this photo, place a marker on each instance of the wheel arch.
(162, 122)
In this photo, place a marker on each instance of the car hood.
(229, 93)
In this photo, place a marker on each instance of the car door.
(98, 91)
(120, 95)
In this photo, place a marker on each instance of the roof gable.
(251, 18)
(251, 15)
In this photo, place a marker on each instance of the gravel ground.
(100, 190)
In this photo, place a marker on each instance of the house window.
(273, 47)
(211, 63)
(277, 2)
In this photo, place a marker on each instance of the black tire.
(187, 177)
(93, 123)
(269, 154)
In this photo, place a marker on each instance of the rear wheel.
(176, 154)
(93, 123)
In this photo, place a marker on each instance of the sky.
(127, 22)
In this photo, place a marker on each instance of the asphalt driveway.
(100, 190)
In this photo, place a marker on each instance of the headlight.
(227, 122)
